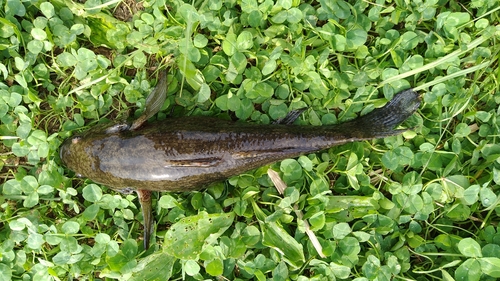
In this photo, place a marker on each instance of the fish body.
(181, 154)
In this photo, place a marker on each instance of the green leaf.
(255, 18)
(29, 184)
(238, 61)
(229, 45)
(214, 267)
(317, 221)
(456, 19)
(31, 200)
(38, 34)
(186, 238)
(155, 267)
(102, 238)
(45, 189)
(15, 7)
(70, 227)
(487, 196)
(66, 59)
(188, 13)
(286, 4)
(211, 73)
(240, 207)
(200, 41)
(470, 248)
(280, 17)
(291, 170)
(91, 212)
(191, 73)
(280, 272)
(338, 9)
(167, 202)
(12, 187)
(340, 271)
(121, 263)
(306, 163)
(204, 93)
(244, 41)
(19, 224)
(389, 159)
(471, 194)
(356, 38)
(490, 266)
(470, 270)
(23, 130)
(462, 130)
(371, 267)
(294, 15)
(35, 241)
(14, 100)
(261, 90)
(20, 150)
(415, 62)
(37, 137)
(409, 40)
(341, 230)
(278, 111)
(5, 272)
(3, 109)
(251, 235)
(275, 237)
(35, 47)
(129, 248)
(92, 193)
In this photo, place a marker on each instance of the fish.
(188, 153)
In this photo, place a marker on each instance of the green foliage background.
(420, 206)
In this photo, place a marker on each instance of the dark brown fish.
(182, 154)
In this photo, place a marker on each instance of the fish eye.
(75, 140)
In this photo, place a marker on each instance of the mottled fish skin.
(182, 154)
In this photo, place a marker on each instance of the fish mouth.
(63, 151)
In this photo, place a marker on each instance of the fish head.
(74, 155)
(77, 153)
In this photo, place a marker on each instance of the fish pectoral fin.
(196, 162)
(154, 102)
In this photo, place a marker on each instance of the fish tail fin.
(381, 121)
